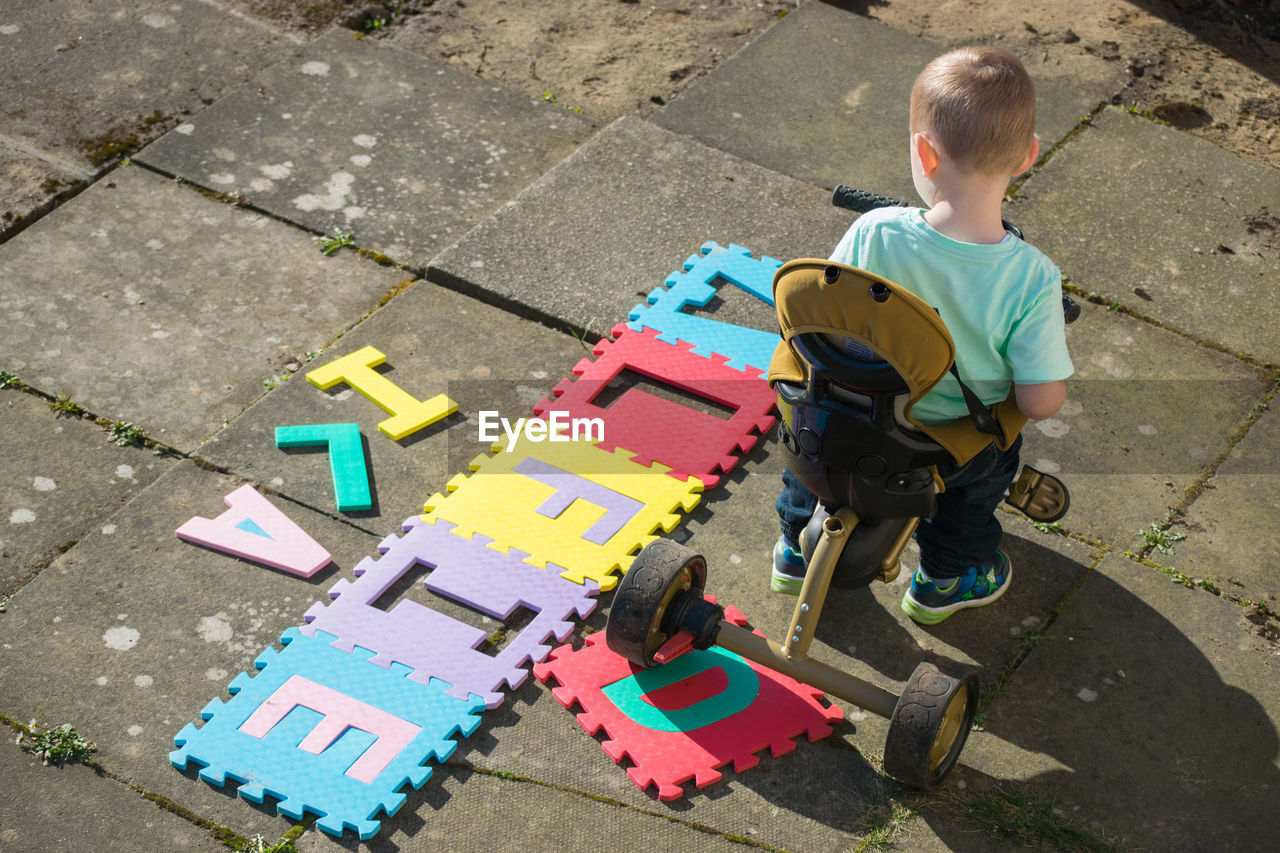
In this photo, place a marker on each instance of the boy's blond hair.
(980, 106)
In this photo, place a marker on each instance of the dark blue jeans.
(964, 531)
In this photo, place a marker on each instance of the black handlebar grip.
(860, 201)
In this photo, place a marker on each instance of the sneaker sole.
(786, 584)
(924, 615)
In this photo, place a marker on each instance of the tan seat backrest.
(898, 327)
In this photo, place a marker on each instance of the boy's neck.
(967, 208)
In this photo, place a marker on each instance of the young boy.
(972, 129)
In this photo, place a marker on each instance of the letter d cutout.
(742, 688)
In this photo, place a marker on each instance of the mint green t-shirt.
(1002, 303)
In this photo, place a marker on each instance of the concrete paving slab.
(48, 809)
(133, 631)
(1152, 711)
(35, 31)
(145, 301)
(125, 77)
(59, 479)
(462, 811)
(436, 342)
(28, 185)
(404, 151)
(1166, 224)
(823, 96)
(643, 199)
(1230, 528)
(1147, 412)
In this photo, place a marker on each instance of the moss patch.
(106, 148)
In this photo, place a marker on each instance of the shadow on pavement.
(1154, 726)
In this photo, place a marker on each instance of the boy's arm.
(1042, 400)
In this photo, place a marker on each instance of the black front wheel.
(642, 614)
(929, 727)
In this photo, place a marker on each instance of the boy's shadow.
(1157, 742)
(1150, 738)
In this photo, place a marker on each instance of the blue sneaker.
(788, 567)
(929, 604)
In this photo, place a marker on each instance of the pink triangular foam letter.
(254, 529)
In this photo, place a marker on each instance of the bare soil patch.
(1209, 67)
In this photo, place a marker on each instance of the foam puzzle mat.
(349, 715)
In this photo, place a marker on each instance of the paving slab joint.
(1261, 613)
(1079, 293)
(35, 567)
(1028, 641)
(220, 833)
(610, 801)
(124, 434)
(1013, 194)
(1155, 540)
(575, 329)
(880, 827)
(236, 200)
(59, 198)
(1086, 121)
(265, 26)
(1056, 528)
(1010, 811)
(45, 157)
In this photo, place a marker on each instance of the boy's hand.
(1040, 401)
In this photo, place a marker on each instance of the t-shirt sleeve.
(852, 248)
(846, 251)
(1037, 347)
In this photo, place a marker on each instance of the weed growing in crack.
(274, 382)
(8, 379)
(58, 746)
(335, 241)
(550, 98)
(124, 434)
(63, 405)
(258, 844)
(1161, 540)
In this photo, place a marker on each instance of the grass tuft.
(1010, 811)
(886, 822)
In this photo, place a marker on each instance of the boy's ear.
(1031, 156)
(926, 153)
